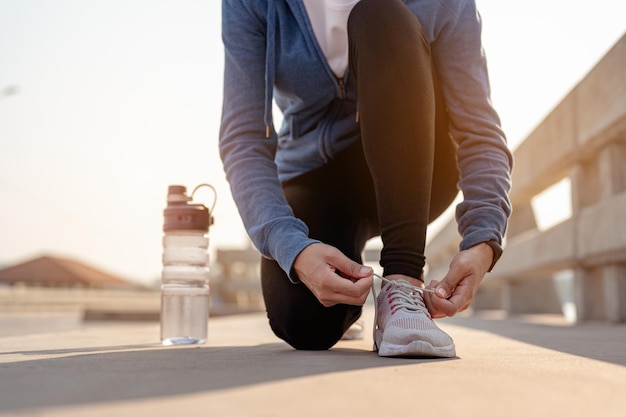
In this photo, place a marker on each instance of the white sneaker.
(403, 326)
(355, 332)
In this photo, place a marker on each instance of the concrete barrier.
(583, 139)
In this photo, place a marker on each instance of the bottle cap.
(177, 194)
(180, 215)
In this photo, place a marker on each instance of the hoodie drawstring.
(270, 65)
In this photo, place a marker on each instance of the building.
(50, 271)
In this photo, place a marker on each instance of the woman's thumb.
(356, 270)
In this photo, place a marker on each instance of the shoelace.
(404, 284)
(403, 295)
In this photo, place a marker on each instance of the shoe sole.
(415, 348)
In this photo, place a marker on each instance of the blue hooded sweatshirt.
(271, 54)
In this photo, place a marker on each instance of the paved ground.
(509, 368)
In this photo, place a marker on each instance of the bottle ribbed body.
(185, 287)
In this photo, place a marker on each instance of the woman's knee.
(314, 330)
(307, 336)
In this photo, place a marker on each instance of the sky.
(103, 104)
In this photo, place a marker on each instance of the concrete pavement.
(527, 368)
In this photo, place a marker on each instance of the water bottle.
(185, 276)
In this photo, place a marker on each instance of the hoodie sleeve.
(484, 160)
(247, 154)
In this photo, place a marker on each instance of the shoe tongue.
(404, 283)
(412, 297)
(408, 287)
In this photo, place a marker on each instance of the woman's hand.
(456, 290)
(332, 277)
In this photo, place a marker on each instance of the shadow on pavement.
(158, 372)
(599, 341)
(65, 351)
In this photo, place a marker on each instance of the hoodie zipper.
(341, 84)
(342, 88)
(342, 96)
(340, 81)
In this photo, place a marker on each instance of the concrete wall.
(584, 139)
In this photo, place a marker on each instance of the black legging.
(399, 177)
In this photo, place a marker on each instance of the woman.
(371, 92)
